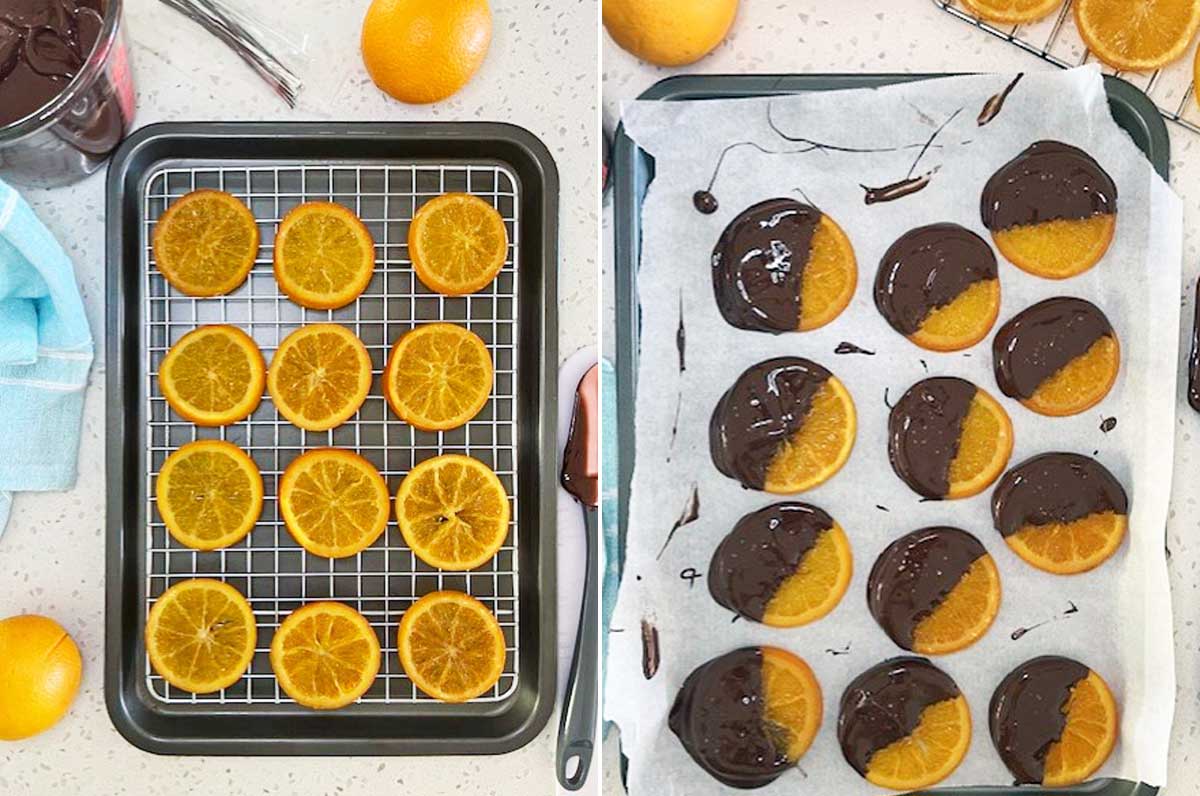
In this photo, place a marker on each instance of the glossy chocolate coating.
(913, 575)
(43, 46)
(924, 429)
(1026, 713)
(763, 550)
(718, 716)
(758, 263)
(1055, 488)
(1049, 181)
(927, 268)
(884, 704)
(1038, 342)
(763, 409)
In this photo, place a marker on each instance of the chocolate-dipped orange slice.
(904, 724)
(1053, 721)
(938, 286)
(1059, 357)
(934, 591)
(786, 425)
(948, 439)
(783, 266)
(1062, 512)
(785, 565)
(747, 716)
(1052, 210)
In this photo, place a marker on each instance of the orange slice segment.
(964, 615)
(200, 635)
(964, 321)
(1012, 12)
(324, 255)
(438, 377)
(1072, 547)
(458, 244)
(930, 753)
(822, 445)
(1088, 737)
(1137, 35)
(334, 502)
(325, 655)
(829, 277)
(213, 376)
(206, 243)
(1057, 249)
(453, 512)
(1081, 383)
(792, 701)
(209, 494)
(451, 646)
(818, 585)
(319, 376)
(984, 447)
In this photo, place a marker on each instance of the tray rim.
(631, 166)
(338, 734)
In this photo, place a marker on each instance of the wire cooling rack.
(1057, 41)
(274, 573)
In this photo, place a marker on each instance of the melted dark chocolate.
(924, 429)
(884, 704)
(1026, 715)
(914, 574)
(1055, 488)
(995, 103)
(763, 550)
(651, 653)
(1049, 181)
(763, 409)
(758, 263)
(1039, 342)
(718, 716)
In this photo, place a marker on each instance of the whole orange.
(40, 669)
(669, 32)
(423, 51)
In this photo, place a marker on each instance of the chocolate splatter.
(812, 145)
(995, 103)
(924, 364)
(1020, 632)
(882, 508)
(929, 143)
(850, 348)
(1108, 424)
(681, 337)
(886, 401)
(690, 513)
(1072, 609)
(651, 655)
(843, 651)
(898, 190)
(705, 202)
(691, 576)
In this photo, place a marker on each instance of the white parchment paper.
(1122, 628)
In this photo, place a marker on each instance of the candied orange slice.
(822, 445)
(792, 701)
(325, 655)
(1011, 12)
(200, 635)
(985, 444)
(930, 753)
(1137, 35)
(1081, 383)
(829, 277)
(213, 376)
(320, 376)
(324, 255)
(209, 494)
(451, 646)
(818, 584)
(964, 615)
(964, 321)
(438, 376)
(458, 244)
(334, 502)
(1088, 737)
(1057, 249)
(206, 243)
(1071, 547)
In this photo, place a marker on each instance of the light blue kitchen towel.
(45, 353)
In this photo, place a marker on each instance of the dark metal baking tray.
(634, 171)
(384, 172)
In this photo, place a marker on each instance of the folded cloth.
(45, 353)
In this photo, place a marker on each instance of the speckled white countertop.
(914, 36)
(539, 74)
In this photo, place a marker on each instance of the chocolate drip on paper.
(763, 409)
(850, 348)
(681, 339)
(1026, 715)
(991, 109)
(1038, 342)
(689, 514)
(1049, 181)
(719, 717)
(914, 574)
(884, 704)
(897, 190)
(927, 268)
(762, 551)
(1055, 488)
(924, 429)
(651, 654)
(758, 265)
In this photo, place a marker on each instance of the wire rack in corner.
(1057, 41)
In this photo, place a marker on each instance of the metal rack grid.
(268, 567)
(1057, 41)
